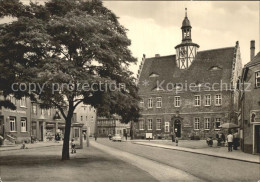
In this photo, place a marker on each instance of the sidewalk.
(221, 152)
(88, 164)
(30, 145)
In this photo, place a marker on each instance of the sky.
(154, 26)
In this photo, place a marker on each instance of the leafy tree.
(77, 50)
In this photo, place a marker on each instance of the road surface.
(204, 168)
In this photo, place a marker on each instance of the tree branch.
(60, 108)
(77, 103)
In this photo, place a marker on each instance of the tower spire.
(185, 12)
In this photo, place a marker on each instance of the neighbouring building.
(86, 115)
(46, 123)
(250, 104)
(113, 125)
(15, 125)
(190, 93)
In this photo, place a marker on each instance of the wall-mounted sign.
(16, 111)
(255, 116)
(187, 126)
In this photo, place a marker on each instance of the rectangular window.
(150, 103)
(12, 99)
(217, 123)
(12, 124)
(141, 124)
(167, 126)
(218, 100)
(207, 124)
(177, 100)
(196, 123)
(23, 102)
(81, 118)
(49, 112)
(42, 111)
(158, 102)
(197, 100)
(158, 124)
(257, 79)
(142, 103)
(34, 109)
(150, 124)
(76, 132)
(23, 125)
(207, 100)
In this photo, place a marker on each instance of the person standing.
(236, 139)
(176, 140)
(73, 146)
(95, 137)
(230, 142)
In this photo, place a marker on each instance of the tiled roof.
(200, 70)
(256, 60)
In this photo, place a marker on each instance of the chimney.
(157, 55)
(252, 50)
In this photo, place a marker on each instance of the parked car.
(117, 137)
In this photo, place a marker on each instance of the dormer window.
(215, 68)
(152, 75)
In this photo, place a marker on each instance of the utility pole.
(87, 137)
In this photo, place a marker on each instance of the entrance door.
(257, 138)
(177, 128)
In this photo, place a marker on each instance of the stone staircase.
(9, 140)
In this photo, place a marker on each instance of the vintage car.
(117, 137)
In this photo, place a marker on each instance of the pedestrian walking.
(73, 146)
(95, 137)
(230, 141)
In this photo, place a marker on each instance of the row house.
(46, 123)
(112, 126)
(30, 122)
(86, 115)
(15, 125)
(190, 93)
(250, 104)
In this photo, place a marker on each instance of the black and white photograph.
(129, 91)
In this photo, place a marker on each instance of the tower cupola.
(187, 50)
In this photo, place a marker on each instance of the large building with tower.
(190, 93)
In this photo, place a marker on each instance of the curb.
(9, 149)
(196, 152)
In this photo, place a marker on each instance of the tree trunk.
(66, 141)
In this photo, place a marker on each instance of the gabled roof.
(256, 60)
(198, 72)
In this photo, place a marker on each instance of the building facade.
(188, 94)
(112, 126)
(15, 125)
(250, 104)
(46, 123)
(30, 122)
(86, 115)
